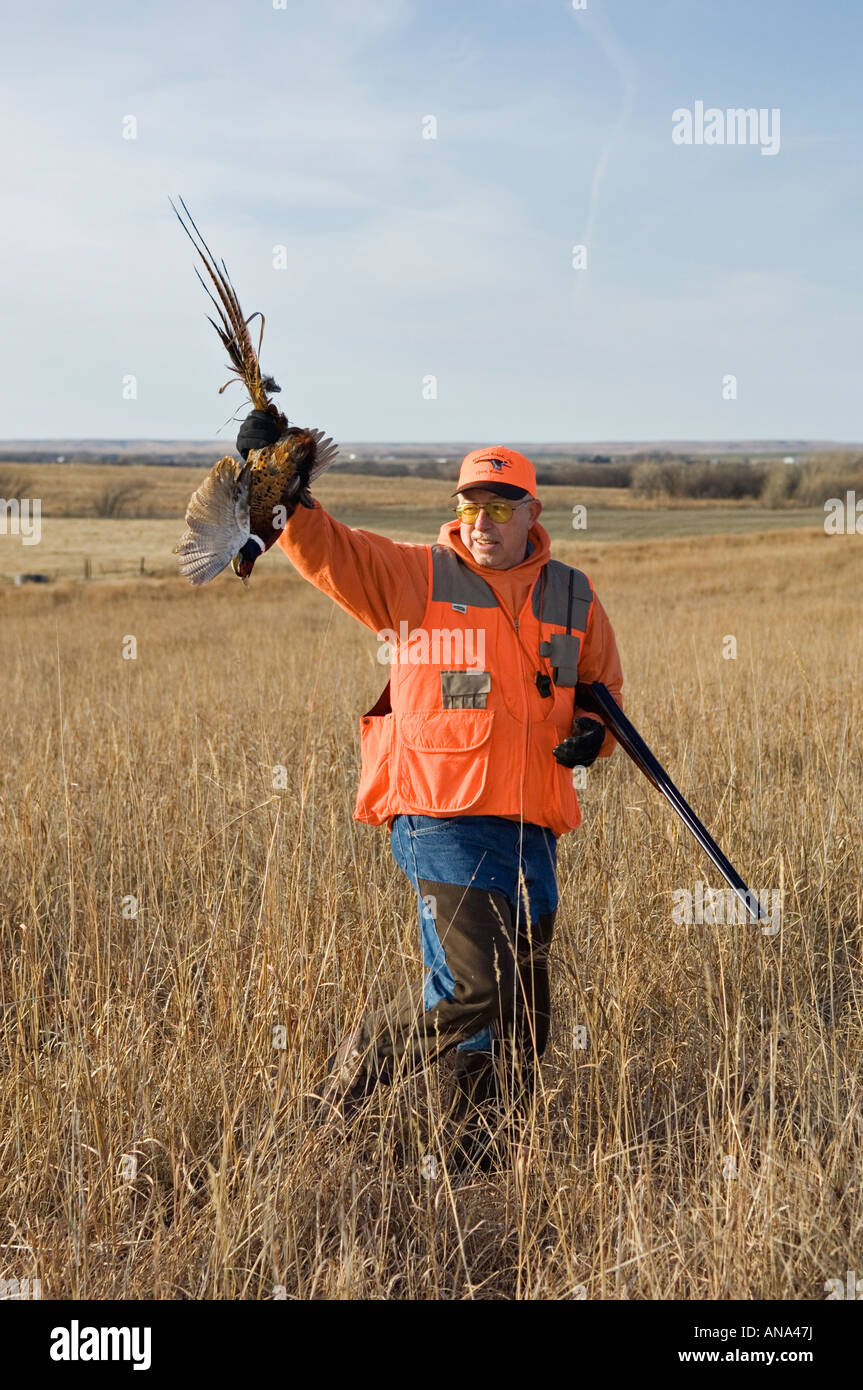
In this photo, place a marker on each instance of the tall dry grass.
(150, 1037)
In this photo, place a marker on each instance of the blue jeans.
(479, 852)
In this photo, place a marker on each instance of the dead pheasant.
(240, 508)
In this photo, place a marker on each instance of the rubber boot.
(351, 1079)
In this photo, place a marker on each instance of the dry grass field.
(165, 912)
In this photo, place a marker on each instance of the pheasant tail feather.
(233, 327)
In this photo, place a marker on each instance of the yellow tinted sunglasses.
(498, 512)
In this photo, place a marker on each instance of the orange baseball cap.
(505, 471)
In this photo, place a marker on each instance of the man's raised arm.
(378, 581)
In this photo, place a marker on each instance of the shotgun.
(598, 699)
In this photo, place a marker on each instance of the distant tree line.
(698, 478)
(658, 475)
(804, 483)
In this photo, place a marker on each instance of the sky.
(420, 289)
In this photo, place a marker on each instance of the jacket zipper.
(526, 745)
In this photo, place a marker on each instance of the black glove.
(259, 429)
(583, 745)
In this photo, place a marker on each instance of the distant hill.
(436, 459)
(596, 464)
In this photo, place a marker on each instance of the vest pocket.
(442, 759)
(376, 738)
(464, 689)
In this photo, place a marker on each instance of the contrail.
(597, 26)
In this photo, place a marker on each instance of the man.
(467, 757)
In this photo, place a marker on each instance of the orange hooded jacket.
(462, 727)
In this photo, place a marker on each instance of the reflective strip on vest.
(555, 597)
(453, 582)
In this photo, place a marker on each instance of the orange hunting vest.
(462, 728)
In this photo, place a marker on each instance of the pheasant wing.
(217, 521)
(325, 454)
